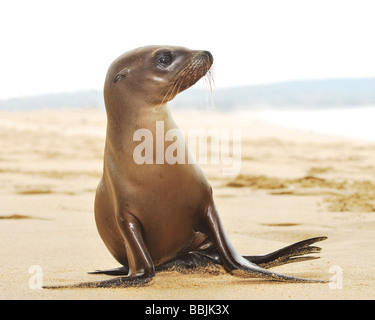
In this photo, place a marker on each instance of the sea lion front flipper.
(288, 254)
(111, 283)
(232, 260)
(141, 267)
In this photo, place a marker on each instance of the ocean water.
(357, 122)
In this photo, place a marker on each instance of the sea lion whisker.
(182, 75)
(208, 85)
(176, 75)
(174, 85)
(168, 96)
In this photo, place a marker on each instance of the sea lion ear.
(122, 73)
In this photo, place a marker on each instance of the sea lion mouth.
(189, 74)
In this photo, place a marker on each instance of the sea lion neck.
(121, 127)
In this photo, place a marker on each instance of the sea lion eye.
(166, 58)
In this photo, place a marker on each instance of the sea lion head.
(154, 75)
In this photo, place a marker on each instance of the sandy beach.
(292, 185)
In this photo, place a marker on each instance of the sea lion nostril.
(210, 57)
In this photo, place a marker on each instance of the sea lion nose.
(209, 55)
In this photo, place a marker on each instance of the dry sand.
(292, 185)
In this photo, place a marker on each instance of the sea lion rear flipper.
(288, 254)
(210, 256)
(233, 261)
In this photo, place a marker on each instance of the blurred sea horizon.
(356, 122)
(343, 107)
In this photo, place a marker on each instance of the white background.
(52, 46)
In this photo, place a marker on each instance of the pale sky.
(52, 46)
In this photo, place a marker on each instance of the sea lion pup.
(152, 216)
